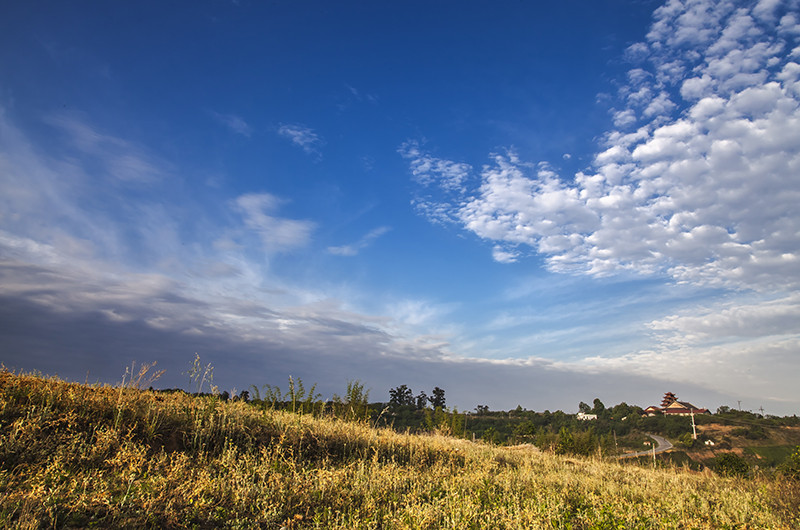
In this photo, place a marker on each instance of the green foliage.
(356, 402)
(437, 399)
(401, 396)
(565, 444)
(296, 399)
(491, 436)
(730, 465)
(754, 432)
(687, 441)
(791, 466)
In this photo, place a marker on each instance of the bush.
(751, 433)
(730, 465)
(687, 441)
(791, 466)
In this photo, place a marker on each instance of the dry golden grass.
(78, 456)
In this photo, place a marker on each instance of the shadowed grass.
(75, 455)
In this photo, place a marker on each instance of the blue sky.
(521, 203)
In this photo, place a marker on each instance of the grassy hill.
(74, 455)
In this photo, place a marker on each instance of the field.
(75, 455)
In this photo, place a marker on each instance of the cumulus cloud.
(432, 171)
(702, 189)
(303, 137)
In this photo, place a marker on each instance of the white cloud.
(428, 170)
(705, 191)
(303, 137)
(276, 233)
(354, 248)
(501, 255)
(235, 123)
(772, 317)
(120, 159)
(623, 118)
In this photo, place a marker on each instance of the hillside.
(73, 455)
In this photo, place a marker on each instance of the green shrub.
(730, 465)
(791, 466)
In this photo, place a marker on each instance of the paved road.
(663, 445)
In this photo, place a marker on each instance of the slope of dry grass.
(80, 456)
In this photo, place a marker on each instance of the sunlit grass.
(80, 456)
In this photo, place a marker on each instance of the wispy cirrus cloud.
(234, 122)
(120, 159)
(303, 137)
(276, 233)
(354, 248)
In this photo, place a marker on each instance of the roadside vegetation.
(74, 455)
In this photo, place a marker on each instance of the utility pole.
(694, 429)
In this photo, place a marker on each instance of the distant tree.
(583, 407)
(624, 410)
(401, 396)
(491, 436)
(482, 409)
(244, 395)
(565, 443)
(723, 409)
(422, 400)
(437, 399)
(525, 430)
(224, 396)
(599, 408)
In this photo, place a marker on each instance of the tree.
(599, 408)
(401, 396)
(491, 436)
(437, 399)
(583, 407)
(565, 443)
(482, 409)
(422, 400)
